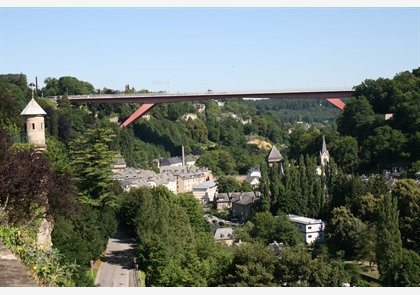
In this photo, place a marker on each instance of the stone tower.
(34, 124)
(274, 156)
(324, 155)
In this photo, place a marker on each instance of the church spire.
(324, 145)
(324, 155)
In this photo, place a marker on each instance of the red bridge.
(149, 100)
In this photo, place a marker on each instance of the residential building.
(222, 200)
(254, 176)
(276, 248)
(188, 176)
(118, 163)
(311, 230)
(200, 107)
(135, 178)
(241, 204)
(204, 192)
(224, 235)
(176, 161)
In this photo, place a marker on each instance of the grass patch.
(142, 277)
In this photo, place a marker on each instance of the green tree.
(407, 193)
(345, 150)
(384, 147)
(389, 245)
(194, 211)
(253, 265)
(365, 247)
(409, 272)
(357, 119)
(344, 230)
(293, 269)
(227, 184)
(91, 158)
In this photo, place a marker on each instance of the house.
(310, 229)
(187, 176)
(200, 107)
(224, 235)
(222, 200)
(205, 191)
(135, 178)
(171, 162)
(118, 163)
(253, 180)
(176, 161)
(114, 119)
(241, 204)
(254, 176)
(276, 248)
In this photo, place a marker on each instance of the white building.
(310, 229)
(204, 192)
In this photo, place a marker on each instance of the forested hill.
(363, 140)
(71, 184)
(299, 110)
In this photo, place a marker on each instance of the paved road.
(117, 268)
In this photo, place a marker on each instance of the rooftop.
(33, 108)
(303, 220)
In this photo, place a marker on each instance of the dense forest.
(71, 185)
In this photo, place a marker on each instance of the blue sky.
(223, 49)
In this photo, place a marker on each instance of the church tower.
(324, 155)
(34, 124)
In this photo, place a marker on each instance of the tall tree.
(91, 159)
(389, 245)
(407, 192)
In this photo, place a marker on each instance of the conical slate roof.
(33, 109)
(324, 145)
(274, 155)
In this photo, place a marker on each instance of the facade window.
(42, 126)
(310, 236)
(309, 227)
(33, 126)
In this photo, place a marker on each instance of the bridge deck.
(149, 100)
(162, 97)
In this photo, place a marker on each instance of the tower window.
(33, 126)
(42, 126)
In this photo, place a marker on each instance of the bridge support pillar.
(137, 114)
(337, 102)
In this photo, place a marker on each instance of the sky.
(193, 49)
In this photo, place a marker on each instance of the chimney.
(183, 156)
